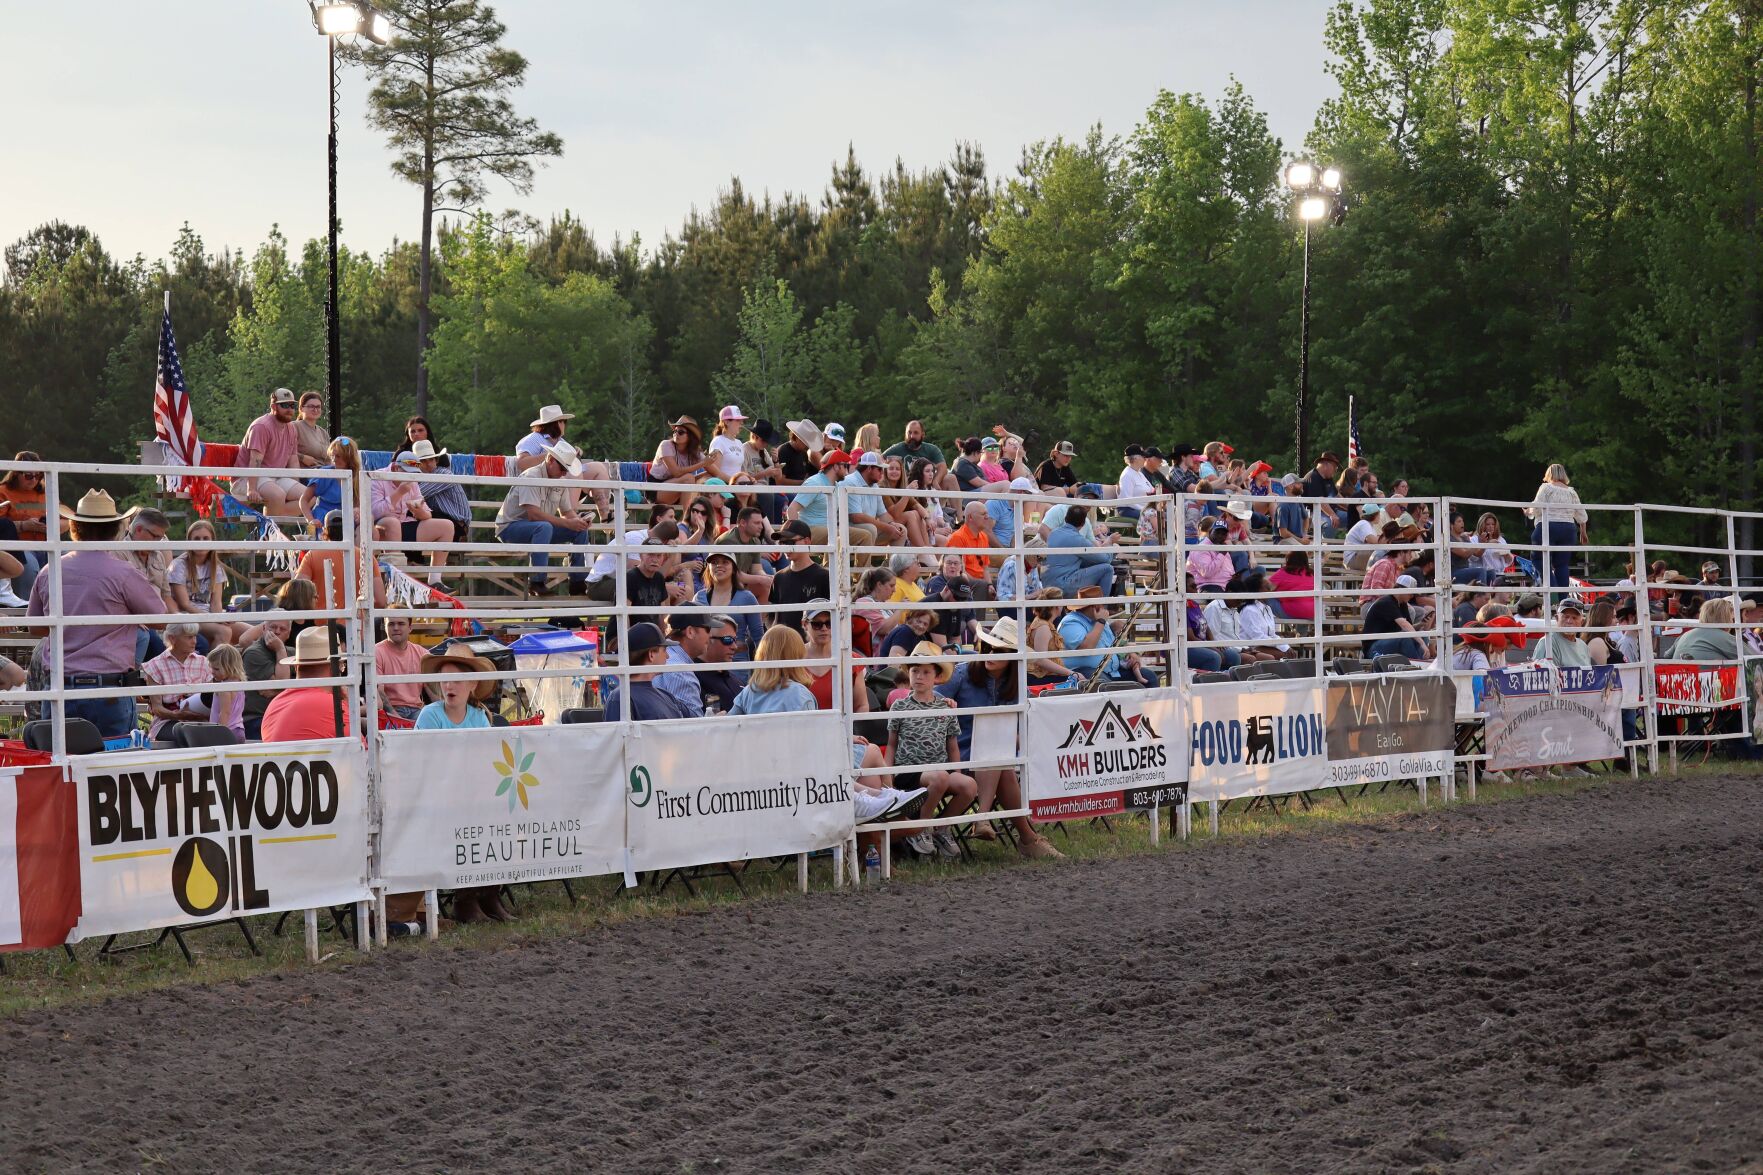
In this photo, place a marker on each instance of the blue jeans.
(1408, 647)
(1478, 575)
(112, 716)
(1561, 534)
(1097, 575)
(1214, 660)
(528, 533)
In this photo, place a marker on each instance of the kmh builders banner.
(512, 804)
(174, 837)
(1099, 754)
(1542, 715)
(39, 858)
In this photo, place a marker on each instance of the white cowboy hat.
(424, 450)
(928, 652)
(551, 414)
(95, 506)
(1239, 509)
(565, 455)
(805, 431)
(1002, 636)
(312, 647)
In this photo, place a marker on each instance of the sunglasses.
(726, 641)
(820, 624)
(682, 432)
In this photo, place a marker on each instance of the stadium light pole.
(334, 21)
(1318, 190)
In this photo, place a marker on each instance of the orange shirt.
(25, 508)
(312, 566)
(976, 566)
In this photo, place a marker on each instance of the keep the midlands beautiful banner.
(1099, 754)
(174, 837)
(511, 804)
(1541, 715)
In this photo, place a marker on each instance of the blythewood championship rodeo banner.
(1101, 754)
(1541, 715)
(1282, 736)
(178, 837)
(494, 807)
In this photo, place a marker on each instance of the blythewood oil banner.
(1099, 754)
(736, 788)
(489, 807)
(1256, 739)
(1540, 715)
(39, 858)
(1397, 726)
(174, 837)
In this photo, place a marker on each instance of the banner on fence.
(499, 806)
(1695, 689)
(736, 789)
(1099, 754)
(1541, 715)
(169, 838)
(1397, 726)
(1256, 738)
(39, 858)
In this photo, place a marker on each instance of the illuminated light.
(336, 20)
(1313, 208)
(1331, 179)
(1300, 175)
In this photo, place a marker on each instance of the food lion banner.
(1397, 726)
(510, 804)
(39, 858)
(1542, 715)
(736, 789)
(1100, 754)
(169, 838)
(1256, 739)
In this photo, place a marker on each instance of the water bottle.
(872, 867)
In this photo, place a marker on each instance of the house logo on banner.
(1260, 738)
(1109, 759)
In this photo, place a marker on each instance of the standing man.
(538, 514)
(97, 583)
(395, 657)
(915, 447)
(272, 443)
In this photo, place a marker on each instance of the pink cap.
(730, 413)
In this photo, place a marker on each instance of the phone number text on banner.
(175, 837)
(1100, 754)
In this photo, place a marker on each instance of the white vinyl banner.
(169, 838)
(1099, 754)
(1256, 738)
(511, 804)
(736, 789)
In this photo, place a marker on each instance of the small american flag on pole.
(1353, 449)
(173, 422)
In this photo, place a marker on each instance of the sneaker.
(9, 598)
(870, 805)
(1040, 848)
(902, 802)
(946, 846)
(922, 843)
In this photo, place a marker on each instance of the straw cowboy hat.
(432, 662)
(1002, 636)
(312, 647)
(806, 431)
(95, 506)
(1086, 598)
(929, 653)
(1239, 509)
(691, 426)
(424, 450)
(565, 455)
(551, 414)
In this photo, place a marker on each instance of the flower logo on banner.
(515, 770)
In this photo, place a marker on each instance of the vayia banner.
(1398, 726)
(1542, 715)
(174, 837)
(482, 807)
(736, 789)
(1099, 754)
(1256, 739)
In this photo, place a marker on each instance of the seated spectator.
(748, 531)
(1032, 555)
(1207, 660)
(603, 573)
(150, 526)
(1468, 606)
(1043, 638)
(773, 689)
(322, 495)
(915, 627)
(911, 512)
(262, 659)
(311, 439)
(400, 514)
(868, 510)
(1390, 625)
(1086, 627)
(1294, 576)
(23, 509)
(1257, 620)
(875, 592)
(923, 729)
(1496, 555)
(950, 586)
(1209, 564)
(179, 665)
(1003, 513)
(272, 445)
(645, 653)
(813, 506)
(326, 572)
(310, 712)
(1363, 539)
(908, 569)
(974, 534)
(646, 585)
(1320, 483)
(1055, 475)
(803, 580)
(919, 476)
(398, 656)
(446, 500)
(691, 634)
(461, 703)
(1383, 574)
(198, 582)
(1073, 572)
(915, 448)
(542, 514)
(718, 686)
(721, 590)
(228, 708)
(681, 461)
(1710, 643)
(968, 476)
(1133, 483)
(1224, 619)
(818, 618)
(298, 595)
(991, 461)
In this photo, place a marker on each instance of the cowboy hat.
(1002, 636)
(95, 506)
(424, 450)
(1239, 509)
(565, 455)
(312, 647)
(691, 426)
(432, 662)
(929, 652)
(551, 414)
(805, 431)
(1086, 598)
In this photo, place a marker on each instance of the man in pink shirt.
(272, 443)
(395, 656)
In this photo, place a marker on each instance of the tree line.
(1549, 251)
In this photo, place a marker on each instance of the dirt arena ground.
(1556, 983)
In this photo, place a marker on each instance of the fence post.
(1643, 616)
(839, 565)
(57, 635)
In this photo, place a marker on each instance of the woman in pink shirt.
(1295, 576)
(1209, 564)
(401, 514)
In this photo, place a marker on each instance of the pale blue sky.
(129, 120)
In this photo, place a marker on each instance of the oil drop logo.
(199, 877)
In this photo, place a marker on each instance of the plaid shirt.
(166, 669)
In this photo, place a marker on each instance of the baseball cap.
(1153, 452)
(836, 431)
(1134, 451)
(680, 623)
(730, 412)
(763, 430)
(1065, 448)
(816, 607)
(794, 529)
(989, 443)
(870, 460)
(1406, 581)
(1226, 449)
(643, 637)
(835, 457)
(283, 396)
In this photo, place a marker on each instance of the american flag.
(1353, 449)
(173, 422)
